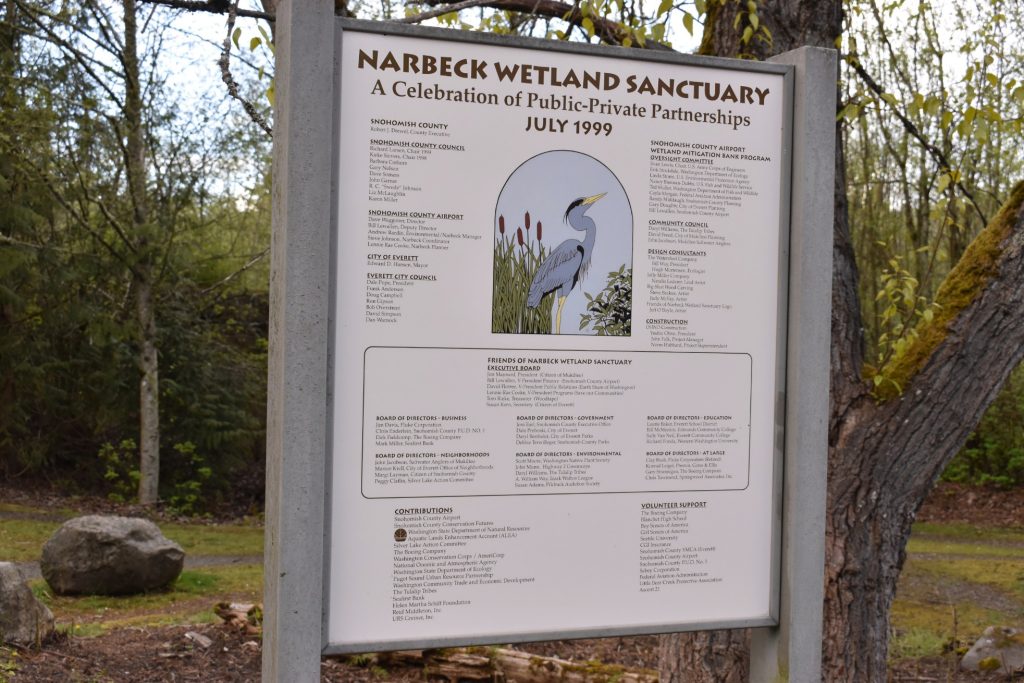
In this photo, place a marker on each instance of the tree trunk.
(147, 357)
(722, 656)
(149, 394)
(885, 457)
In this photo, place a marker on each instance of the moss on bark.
(964, 284)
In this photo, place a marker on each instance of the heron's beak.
(594, 198)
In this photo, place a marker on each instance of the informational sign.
(557, 371)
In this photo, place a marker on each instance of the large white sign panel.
(556, 362)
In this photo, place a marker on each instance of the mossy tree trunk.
(884, 455)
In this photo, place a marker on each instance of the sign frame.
(806, 253)
(786, 72)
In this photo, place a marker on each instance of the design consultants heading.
(535, 74)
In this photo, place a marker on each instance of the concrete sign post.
(549, 343)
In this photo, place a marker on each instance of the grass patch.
(21, 540)
(1006, 575)
(938, 546)
(189, 600)
(971, 578)
(924, 625)
(201, 540)
(915, 643)
(16, 509)
(968, 533)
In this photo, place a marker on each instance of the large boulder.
(103, 555)
(1000, 648)
(23, 619)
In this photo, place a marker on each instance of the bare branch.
(85, 61)
(225, 72)
(252, 262)
(928, 146)
(430, 14)
(212, 6)
(81, 220)
(113, 222)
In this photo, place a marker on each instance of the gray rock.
(23, 619)
(1000, 648)
(103, 555)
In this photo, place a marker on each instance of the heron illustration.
(567, 263)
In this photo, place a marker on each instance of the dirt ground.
(173, 655)
(176, 654)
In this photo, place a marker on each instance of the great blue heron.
(568, 262)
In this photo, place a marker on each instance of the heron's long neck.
(590, 238)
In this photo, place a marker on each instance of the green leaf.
(890, 98)
(665, 6)
(754, 21)
(235, 36)
(851, 111)
(588, 26)
(747, 34)
(688, 23)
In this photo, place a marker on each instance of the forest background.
(932, 100)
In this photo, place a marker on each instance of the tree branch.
(909, 126)
(608, 31)
(249, 264)
(84, 61)
(225, 73)
(430, 14)
(211, 6)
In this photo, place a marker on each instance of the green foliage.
(961, 287)
(121, 470)
(185, 498)
(611, 311)
(70, 253)
(516, 261)
(903, 308)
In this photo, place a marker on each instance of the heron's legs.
(558, 316)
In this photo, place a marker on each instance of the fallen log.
(466, 665)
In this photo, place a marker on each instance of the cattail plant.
(514, 269)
